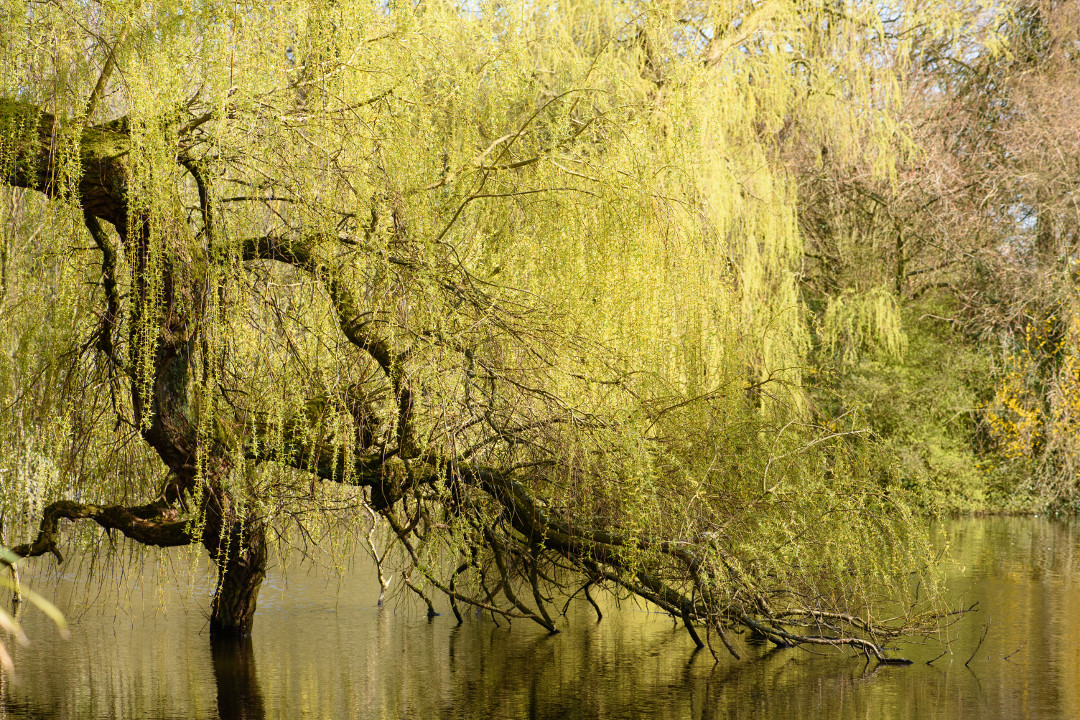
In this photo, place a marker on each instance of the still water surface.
(325, 650)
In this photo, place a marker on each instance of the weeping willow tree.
(518, 280)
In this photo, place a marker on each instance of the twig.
(690, 628)
(986, 629)
(1015, 651)
(708, 642)
(599, 615)
(931, 662)
(453, 600)
(727, 643)
(384, 582)
(16, 591)
(431, 613)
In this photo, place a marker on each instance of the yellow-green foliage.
(587, 195)
(57, 438)
(859, 322)
(1033, 415)
(924, 408)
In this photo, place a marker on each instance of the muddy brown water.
(323, 649)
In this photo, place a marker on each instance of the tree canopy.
(518, 281)
(944, 299)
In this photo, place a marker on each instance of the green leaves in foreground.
(8, 622)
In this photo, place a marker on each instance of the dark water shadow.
(238, 694)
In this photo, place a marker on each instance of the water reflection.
(326, 650)
(238, 693)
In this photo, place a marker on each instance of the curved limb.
(155, 523)
(355, 324)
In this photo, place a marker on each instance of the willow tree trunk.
(234, 536)
(241, 570)
(165, 317)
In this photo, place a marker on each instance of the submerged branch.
(675, 577)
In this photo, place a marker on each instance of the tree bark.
(241, 571)
(236, 540)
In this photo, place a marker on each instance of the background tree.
(915, 280)
(1032, 158)
(945, 300)
(519, 280)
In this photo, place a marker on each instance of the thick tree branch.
(103, 79)
(599, 549)
(355, 324)
(41, 142)
(109, 260)
(155, 523)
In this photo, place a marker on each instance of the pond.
(323, 649)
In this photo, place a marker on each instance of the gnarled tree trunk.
(167, 415)
(241, 570)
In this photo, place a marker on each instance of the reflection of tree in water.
(238, 693)
(630, 671)
(784, 683)
(495, 683)
(392, 664)
(593, 672)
